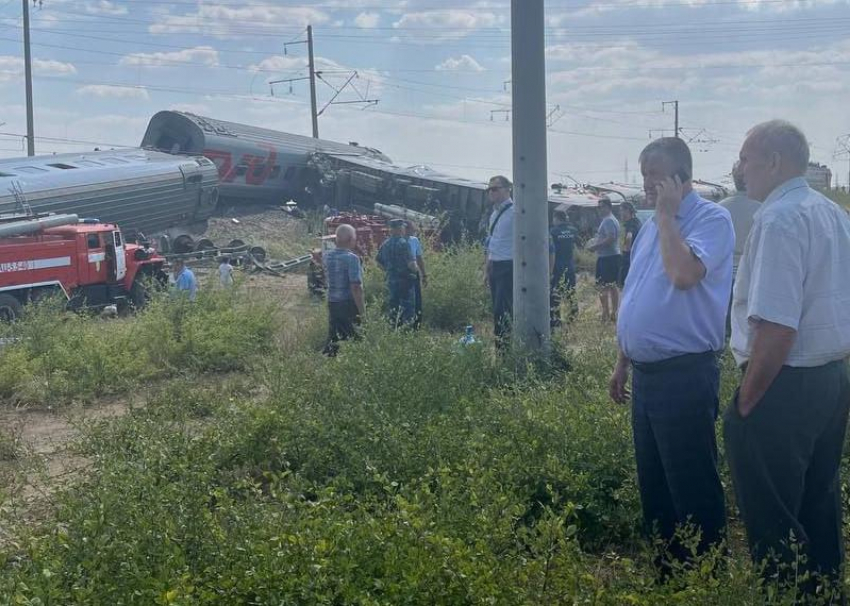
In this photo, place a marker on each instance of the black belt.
(675, 363)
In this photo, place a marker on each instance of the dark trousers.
(400, 303)
(674, 408)
(785, 457)
(502, 294)
(417, 302)
(343, 318)
(562, 286)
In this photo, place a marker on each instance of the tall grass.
(407, 470)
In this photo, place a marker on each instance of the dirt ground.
(36, 453)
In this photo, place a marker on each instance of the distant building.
(819, 176)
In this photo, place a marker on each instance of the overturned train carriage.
(254, 164)
(262, 165)
(145, 192)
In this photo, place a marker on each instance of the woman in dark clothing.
(631, 227)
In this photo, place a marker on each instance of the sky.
(440, 73)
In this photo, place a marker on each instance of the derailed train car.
(145, 192)
(254, 164)
(262, 165)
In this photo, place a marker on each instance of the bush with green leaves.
(57, 356)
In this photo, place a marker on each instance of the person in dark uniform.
(422, 279)
(397, 261)
(563, 236)
(631, 227)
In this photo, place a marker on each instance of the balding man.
(791, 336)
(670, 330)
(345, 288)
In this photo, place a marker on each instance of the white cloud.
(113, 92)
(440, 25)
(105, 7)
(367, 20)
(279, 63)
(199, 109)
(13, 67)
(231, 21)
(464, 63)
(205, 55)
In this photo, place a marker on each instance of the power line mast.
(315, 75)
(842, 151)
(531, 331)
(675, 105)
(28, 78)
(312, 66)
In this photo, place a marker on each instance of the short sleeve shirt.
(794, 273)
(500, 244)
(563, 237)
(658, 321)
(415, 246)
(343, 269)
(186, 283)
(608, 228)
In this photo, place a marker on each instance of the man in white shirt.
(743, 210)
(785, 429)
(499, 270)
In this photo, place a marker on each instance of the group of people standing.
(401, 258)
(790, 336)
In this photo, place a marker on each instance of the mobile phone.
(682, 174)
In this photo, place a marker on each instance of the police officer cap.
(394, 223)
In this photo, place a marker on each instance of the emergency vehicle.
(86, 261)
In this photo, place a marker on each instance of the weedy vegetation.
(407, 470)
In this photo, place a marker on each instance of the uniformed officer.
(563, 236)
(396, 259)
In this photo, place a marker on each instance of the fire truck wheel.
(139, 294)
(10, 308)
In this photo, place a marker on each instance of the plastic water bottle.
(469, 337)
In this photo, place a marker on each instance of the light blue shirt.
(415, 246)
(609, 228)
(186, 282)
(500, 244)
(658, 321)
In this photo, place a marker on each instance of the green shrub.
(60, 356)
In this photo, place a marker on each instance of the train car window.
(275, 171)
(30, 169)
(93, 241)
(258, 171)
(6, 175)
(240, 170)
(62, 166)
(290, 173)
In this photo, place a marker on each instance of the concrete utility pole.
(28, 78)
(312, 62)
(675, 105)
(531, 331)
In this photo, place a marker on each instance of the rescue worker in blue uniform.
(396, 259)
(563, 236)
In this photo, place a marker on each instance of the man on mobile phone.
(670, 331)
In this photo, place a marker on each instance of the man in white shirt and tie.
(785, 429)
(499, 271)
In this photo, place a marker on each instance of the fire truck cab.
(87, 262)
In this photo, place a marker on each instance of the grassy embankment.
(405, 471)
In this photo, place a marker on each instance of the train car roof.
(195, 129)
(61, 170)
(418, 171)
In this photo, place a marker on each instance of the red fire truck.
(85, 261)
